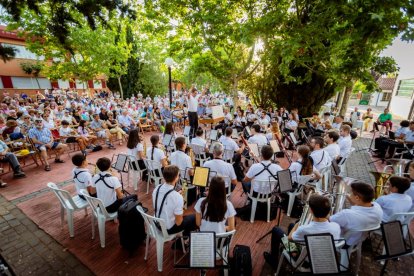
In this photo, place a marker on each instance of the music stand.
(166, 140)
(186, 132)
(120, 166)
(284, 184)
(394, 243)
(322, 254)
(213, 135)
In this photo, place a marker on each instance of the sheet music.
(274, 145)
(186, 131)
(213, 134)
(322, 252)
(217, 111)
(394, 238)
(235, 134)
(120, 162)
(202, 249)
(201, 176)
(255, 149)
(166, 140)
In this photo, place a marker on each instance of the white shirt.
(139, 148)
(321, 159)
(316, 228)
(221, 168)
(104, 193)
(218, 227)
(264, 175)
(258, 139)
(158, 154)
(291, 124)
(199, 141)
(394, 203)
(345, 144)
(357, 218)
(295, 169)
(263, 121)
(193, 103)
(173, 204)
(336, 125)
(333, 150)
(124, 120)
(82, 180)
(182, 161)
(228, 143)
(410, 193)
(66, 131)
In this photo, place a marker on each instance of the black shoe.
(270, 259)
(19, 174)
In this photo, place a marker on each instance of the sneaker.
(2, 184)
(110, 146)
(84, 152)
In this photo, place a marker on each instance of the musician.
(251, 116)
(332, 147)
(344, 141)
(154, 153)
(338, 122)
(264, 170)
(192, 99)
(220, 167)
(108, 188)
(397, 201)
(240, 121)
(264, 121)
(228, 143)
(199, 140)
(226, 122)
(257, 137)
(381, 144)
(291, 125)
(319, 207)
(180, 159)
(304, 164)
(363, 213)
(410, 191)
(168, 204)
(315, 120)
(321, 158)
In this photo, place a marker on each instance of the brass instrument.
(307, 215)
(381, 179)
(192, 155)
(397, 166)
(340, 195)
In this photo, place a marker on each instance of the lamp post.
(169, 62)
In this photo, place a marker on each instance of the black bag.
(241, 264)
(131, 225)
(297, 208)
(97, 148)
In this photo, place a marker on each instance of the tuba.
(340, 193)
(397, 165)
(381, 179)
(307, 215)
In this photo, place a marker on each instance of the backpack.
(97, 148)
(131, 225)
(241, 263)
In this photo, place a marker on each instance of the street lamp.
(169, 62)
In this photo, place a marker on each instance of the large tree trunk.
(234, 92)
(120, 88)
(340, 98)
(345, 101)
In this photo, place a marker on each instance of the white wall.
(400, 105)
(81, 85)
(376, 99)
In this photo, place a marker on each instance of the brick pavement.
(28, 249)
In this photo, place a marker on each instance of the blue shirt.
(165, 113)
(43, 135)
(3, 146)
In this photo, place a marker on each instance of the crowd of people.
(52, 121)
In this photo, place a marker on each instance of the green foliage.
(32, 68)
(7, 53)
(359, 86)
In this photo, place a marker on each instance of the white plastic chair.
(102, 216)
(264, 195)
(346, 253)
(199, 154)
(133, 168)
(227, 181)
(160, 235)
(301, 180)
(228, 155)
(69, 204)
(343, 162)
(153, 168)
(223, 248)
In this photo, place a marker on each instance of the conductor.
(193, 98)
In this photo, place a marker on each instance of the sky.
(403, 53)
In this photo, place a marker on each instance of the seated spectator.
(214, 212)
(114, 128)
(12, 131)
(108, 188)
(384, 119)
(85, 133)
(101, 131)
(43, 140)
(396, 201)
(367, 117)
(9, 157)
(69, 135)
(125, 121)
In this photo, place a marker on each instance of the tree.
(7, 53)
(32, 68)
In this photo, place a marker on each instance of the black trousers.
(193, 120)
(277, 235)
(188, 225)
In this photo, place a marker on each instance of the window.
(30, 83)
(23, 52)
(63, 84)
(386, 96)
(405, 88)
(1, 84)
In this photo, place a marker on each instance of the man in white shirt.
(229, 144)
(332, 147)
(345, 141)
(168, 204)
(363, 213)
(337, 122)
(320, 207)
(397, 201)
(192, 100)
(220, 167)
(180, 159)
(257, 137)
(264, 120)
(320, 157)
(265, 171)
(125, 121)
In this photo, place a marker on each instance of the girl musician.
(154, 153)
(136, 149)
(240, 121)
(250, 116)
(304, 164)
